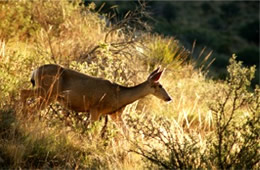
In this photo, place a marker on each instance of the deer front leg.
(117, 118)
(94, 116)
(103, 131)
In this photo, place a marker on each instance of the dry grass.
(64, 33)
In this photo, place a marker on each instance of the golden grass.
(66, 34)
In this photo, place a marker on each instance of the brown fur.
(83, 93)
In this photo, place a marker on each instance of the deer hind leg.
(26, 94)
(44, 98)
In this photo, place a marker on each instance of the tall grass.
(232, 142)
(187, 133)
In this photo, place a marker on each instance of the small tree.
(235, 141)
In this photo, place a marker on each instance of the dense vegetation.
(209, 124)
(223, 27)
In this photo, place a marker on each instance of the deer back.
(81, 92)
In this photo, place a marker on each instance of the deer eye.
(160, 86)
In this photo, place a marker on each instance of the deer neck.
(127, 95)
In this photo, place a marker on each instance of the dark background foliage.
(224, 27)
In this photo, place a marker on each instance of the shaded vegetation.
(224, 27)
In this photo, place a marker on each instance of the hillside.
(222, 27)
(209, 123)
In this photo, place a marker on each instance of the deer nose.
(168, 99)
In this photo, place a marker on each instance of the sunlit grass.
(43, 139)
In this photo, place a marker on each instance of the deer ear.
(154, 72)
(156, 76)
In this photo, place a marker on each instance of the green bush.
(235, 139)
(165, 50)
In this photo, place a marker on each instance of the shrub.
(163, 144)
(165, 50)
(17, 21)
(235, 140)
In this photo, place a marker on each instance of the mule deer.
(83, 93)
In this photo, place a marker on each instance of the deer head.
(156, 88)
